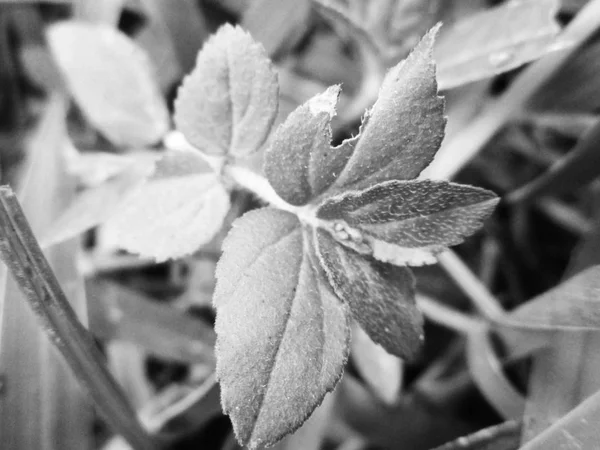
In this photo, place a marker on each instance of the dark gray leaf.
(413, 214)
(380, 296)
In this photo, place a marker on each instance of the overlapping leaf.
(282, 335)
(227, 105)
(424, 214)
(380, 296)
(112, 81)
(399, 138)
(287, 283)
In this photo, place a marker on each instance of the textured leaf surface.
(282, 335)
(380, 296)
(424, 214)
(405, 127)
(300, 162)
(179, 208)
(574, 304)
(112, 81)
(228, 103)
(495, 41)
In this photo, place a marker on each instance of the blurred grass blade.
(381, 372)
(573, 171)
(576, 430)
(21, 253)
(123, 314)
(566, 372)
(184, 25)
(495, 41)
(460, 148)
(277, 24)
(498, 437)
(105, 11)
(576, 87)
(572, 305)
(41, 405)
(487, 371)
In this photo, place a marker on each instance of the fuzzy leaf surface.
(177, 209)
(421, 214)
(282, 335)
(300, 162)
(112, 80)
(227, 105)
(381, 297)
(405, 127)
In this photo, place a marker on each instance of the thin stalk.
(448, 317)
(20, 251)
(481, 297)
(461, 148)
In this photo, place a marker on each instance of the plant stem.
(481, 297)
(448, 317)
(20, 251)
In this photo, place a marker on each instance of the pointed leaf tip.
(227, 104)
(405, 128)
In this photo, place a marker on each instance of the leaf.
(120, 313)
(496, 40)
(380, 371)
(112, 81)
(179, 208)
(574, 170)
(94, 206)
(575, 430)
(282, 335)
(300, 163)
(227, 105)
(288, 22)
(381, 297)
(405, 127)
(498, 437)
(572, 305)
(423, 214)
(575, 87)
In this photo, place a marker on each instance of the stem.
(481, 297)
(448, 317)
(20, 251)
(457, 152)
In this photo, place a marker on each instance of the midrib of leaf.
(281, 335)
